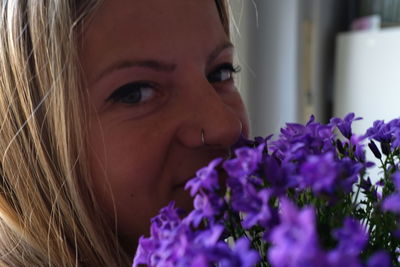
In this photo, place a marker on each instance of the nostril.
(240, 133)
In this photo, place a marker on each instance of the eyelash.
(120, 95)
(126, 90)
(226, 66)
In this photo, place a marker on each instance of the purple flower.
(254, 205)
(395, 126)
(244, 142)
(294, 240)
(145, 248)
(341, 258)
(392, 203)
(277, 175)
(296, 141)
(211, 256)
(380, 131)
(205, 249)
(396, 138)
(173, 242)
(215, 251)
(358, 147)
(396, 180)
(246, 162)
(319, 173)
(262, 176)
(205, 206)
(210, 237)
(244, 256)
(164, 228)
(380, 183)
(348, 171)
(379, 259)
(344, 125)
(166, 221)
(206, 178)
(352, 237)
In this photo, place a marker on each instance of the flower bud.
(340, 148)
(375, 149)
(385, 148)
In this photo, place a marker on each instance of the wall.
(286, 50)
(267, 49)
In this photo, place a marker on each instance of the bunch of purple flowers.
(304, 199)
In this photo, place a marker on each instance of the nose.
(212, 118)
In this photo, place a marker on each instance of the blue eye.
(133, 93)
(223, 73)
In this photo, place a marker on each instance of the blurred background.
(321, 57)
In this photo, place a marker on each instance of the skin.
(144, 148)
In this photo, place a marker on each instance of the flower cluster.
(174, 243)
(304, 199)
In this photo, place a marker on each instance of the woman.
(107, 109)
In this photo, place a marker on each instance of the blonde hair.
(48, 212)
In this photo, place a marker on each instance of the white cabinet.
(368, 76)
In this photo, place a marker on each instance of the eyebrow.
(157, 65)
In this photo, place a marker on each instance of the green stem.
(357, 193)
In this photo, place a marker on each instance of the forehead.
(166, 11)
(157, 28)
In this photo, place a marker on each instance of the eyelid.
(230, 66)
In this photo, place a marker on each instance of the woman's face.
(158, 72)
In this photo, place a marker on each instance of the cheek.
(122, 161)
(125, 168)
